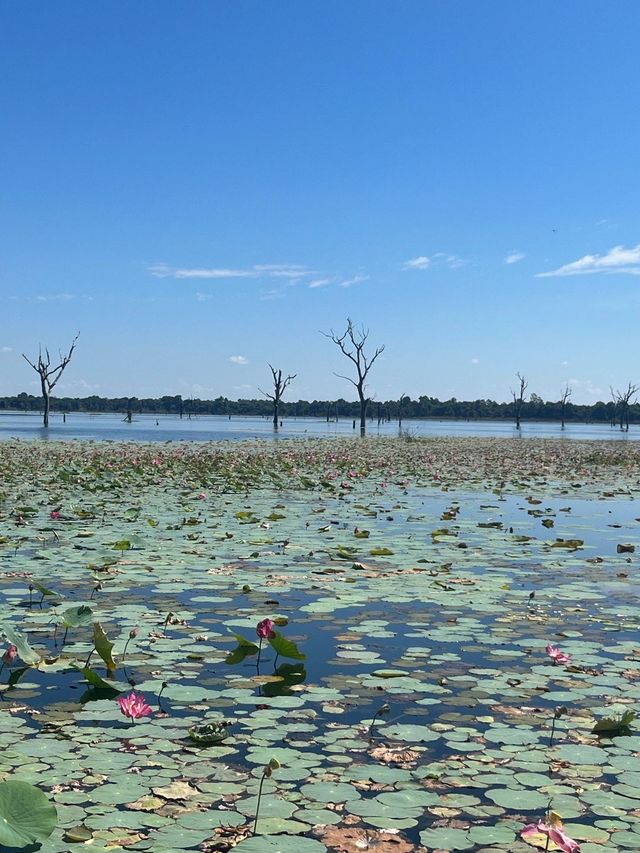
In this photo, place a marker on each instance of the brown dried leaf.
(359, 840)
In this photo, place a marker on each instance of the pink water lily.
(134, 706)
(553, 831)
(557, 655)
(265, 630)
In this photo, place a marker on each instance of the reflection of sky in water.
(111, 427)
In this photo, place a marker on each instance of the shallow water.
(448, 608)
(144, 428)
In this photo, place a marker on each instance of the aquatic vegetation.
(556, 655)
(551, 830)
(443, 613)
(267, 772)
(133, 706)
(26, 815)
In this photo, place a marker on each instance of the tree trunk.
(47, 404)
(275, 415)
(363, 416)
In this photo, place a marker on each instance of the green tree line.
(424, 407)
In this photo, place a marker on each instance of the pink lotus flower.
(54, 515)
(202, 496)
(553, 831)
(265, 630)
(134, 706)
(556, 655)
(10, 654)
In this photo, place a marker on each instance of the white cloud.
(319, 282)
(255, 271)
(475, 361)
(514, 256)
(616, 260)
(357, 279)
(282, 270)
(6, 349)
(238, 359)
(54, 297)
(452, 261)
(420, 263)
(243, 387)
(203, 297)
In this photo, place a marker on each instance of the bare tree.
(280, 384)
(518, 397)
(401, 398)
(565, 394)
(623, 400)
(49, 375)
(352, 344)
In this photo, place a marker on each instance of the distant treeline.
(424, 407)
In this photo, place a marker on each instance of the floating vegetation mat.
(378, 645)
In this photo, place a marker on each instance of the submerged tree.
(49, 375)
(518, 398)
(565, 394)
(280, 384)
(351, 344)
(400, 402)
(623, 399)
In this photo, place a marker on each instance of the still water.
(111, 427)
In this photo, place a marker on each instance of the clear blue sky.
(200, 187)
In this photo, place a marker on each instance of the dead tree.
(565, 394)
(402, 396)
(280, 384)
(49, 375)
(623, 400)
(518, 398)
(351, 344)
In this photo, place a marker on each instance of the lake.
(111, 427)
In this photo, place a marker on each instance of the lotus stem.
(264, 776)
(273, 764)
(382, 710)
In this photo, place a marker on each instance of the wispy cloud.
(6, 349)
(357, 279)
(514, 256)
(203, 297)
(422, 262)
(452, 261)
(616, 260)
(319, 282)
(238, 359)
(255, 271)
(475, 361)
(54, 297)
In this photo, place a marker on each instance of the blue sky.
(201, 187)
